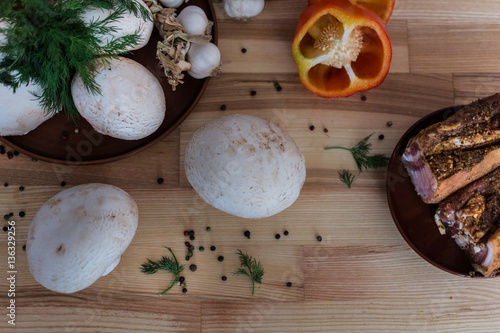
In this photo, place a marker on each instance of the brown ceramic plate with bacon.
(57, 141)
(414, 218)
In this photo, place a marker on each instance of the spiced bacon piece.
(472, 217)
(448, 155)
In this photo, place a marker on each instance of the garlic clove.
(205, 60)
(195, 21)
(172, 3)
(243, 9)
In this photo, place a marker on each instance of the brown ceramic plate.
(89, 147)
(413, 217)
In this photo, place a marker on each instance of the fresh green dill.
(251, 268)
(346, 177)
(165, 263)
(360, 154)
(47, 42)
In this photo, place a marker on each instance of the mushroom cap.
(128, 24)
(21, 111)
(245, 166)
(131, 104)
(79, 235)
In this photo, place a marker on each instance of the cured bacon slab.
(472, 217)
(448, 155)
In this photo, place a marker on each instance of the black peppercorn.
(5, 229)
(212, 248)
(201, 249)
(277, 236)
(160, 181)
(22, 214)
(311, 127)
(363, 98)
(184, 290)
(6, 185)
(243, 50)
(6, 217)
(224, 278)
(190, 247)
(24, 247)
(381, 137)
(187, 258)
(16, 153)
(181, 279)
(223, 107)
(63, 183)
(288, 284)
(253, 93)
(389, 123)
(192, 238)
(192, 267)
(11, 214)
(247, 234)
(319, 238)
(208, 229)
(21, 188)
(220, 258)
(277, 86)
(285, 232)
(191, 232)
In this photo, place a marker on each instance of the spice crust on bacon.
(448, 155)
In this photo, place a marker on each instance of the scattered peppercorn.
(64, 136)
(319, 238)
(389, 123)
(2, 151)
(191, 232)
(2, 148)
(63, 183)
(223, 107)
(277, 236)
(325, 130)
(186, 233)
(311, 127)
(21, 188)
(184, 290)
(190, 247)
(5, 229)
(6, 217)
(220, 258)
(285, 232)
(277, 86)
(243, 50)
(288, 284)
(201, 249)
(22, 214)
(188, 257)
(160, 181)
(16, 153)
(247, 234)
(11, 214)
(181, 279)
(187, 243)
(192, 267)
(381, 137)
(208, 229)
(224, 278)
(190, 254)
(192, 238)
(253, 93)
(10, 155)
(24, 247)
(6, 185)
(212, 248)
(363, 98)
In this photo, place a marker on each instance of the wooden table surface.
(363, 277)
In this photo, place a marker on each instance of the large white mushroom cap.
(131, 104)
(79, 235)
(245, 166)
(127, 25)
(20, 112)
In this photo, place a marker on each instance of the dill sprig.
(165, 263)
(251, 268)
(47, 42)
(360, 154)
(346, 177)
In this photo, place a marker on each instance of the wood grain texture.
(362, 277)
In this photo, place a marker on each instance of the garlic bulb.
(172, 3)
(243, 9)
(204, 59)
(195, 21)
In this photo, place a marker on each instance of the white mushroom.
(245, 166)
(79, 235)
(20, 112)
(128, 24)
(131, 105)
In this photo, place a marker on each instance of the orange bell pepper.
(383, 8)
(341, 48)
